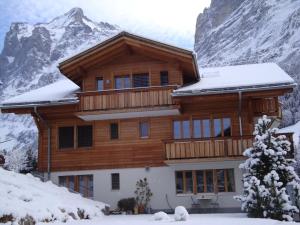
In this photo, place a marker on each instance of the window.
(164, 78)
(66, 137)
(144, 129)
(205, 181)
(141, 80)
(100, 84)
(181, 129)
(206, 128)
(85, 185)
(122, 82)
(217, 128)
(179, 182)
(115, 181)
(114, 131)
(222, 127)
(82, 184)
(197, 130)
(84, 136)
(67, 181)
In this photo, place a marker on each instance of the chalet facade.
(133, 108)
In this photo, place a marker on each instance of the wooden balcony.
(127, 103)
(220, 147)
(266, 106)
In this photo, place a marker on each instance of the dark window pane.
(90, 186)
(209, 181)
(200, 181)
(114, 131)
(197, 128)
(62, 181)
(144, 129)
(118, 82)
(82, 186)
(176, 129)
(141, 80)
(85, 136)
(227, 126)
(66, 137)
(71, 183)
(127, 83)
(115, 181)
(179, 182)
(206, 128)
(230, 180)
(186, 129)
(189, 182)
(217, 128)
(164, 78)
(99, 84)
(85, 185)
(221, 180)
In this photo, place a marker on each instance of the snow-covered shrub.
(161, 216)
(25, 197)
(181, 214)
(268, 173)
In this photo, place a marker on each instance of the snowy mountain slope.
(251, 31)
(26, 195)
(29, 60)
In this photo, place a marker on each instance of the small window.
(85, 136)
(85, 185)
(189, 182)
(181, 129)
(66, 137)
(141, 80)
(67, 181)
(164, 78)
(206, 128)
(197, 131)
(122, 82)
(115, 181)
(144, 129)
(100, 84)
(227, 127)
(217, 128)
(114, 131)
(176, 129)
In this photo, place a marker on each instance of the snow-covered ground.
(22, 195)
(194, 219)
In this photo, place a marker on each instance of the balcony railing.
(212, 147)
(126, 98)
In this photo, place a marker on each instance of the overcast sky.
(166, 20)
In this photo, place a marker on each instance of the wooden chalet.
(134, 107)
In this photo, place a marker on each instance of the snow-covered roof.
(60, 91)
(240, 77)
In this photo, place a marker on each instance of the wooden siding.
(266, 106)
(126, 98)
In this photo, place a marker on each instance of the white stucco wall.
(161, 181)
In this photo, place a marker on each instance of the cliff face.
(29, 60)
(252, 31)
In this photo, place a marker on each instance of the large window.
(115, 181)
(66, 137)
(205, 181)
(82, 184)
(122, 82)
(114, 131)
(144, 129)
(141, 80)
(84, 136)
(164, 78)
(181, 129)
(202, 128)
(100, 85)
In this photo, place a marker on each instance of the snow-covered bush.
(181, 214)
(161, 216)
(25, 196)
(268, 173)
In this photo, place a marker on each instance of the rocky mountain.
(251, 31)
(29, 60)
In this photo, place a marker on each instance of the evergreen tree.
(267, 174)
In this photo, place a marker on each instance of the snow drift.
(26, 196)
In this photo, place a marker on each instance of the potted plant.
(143, 194)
